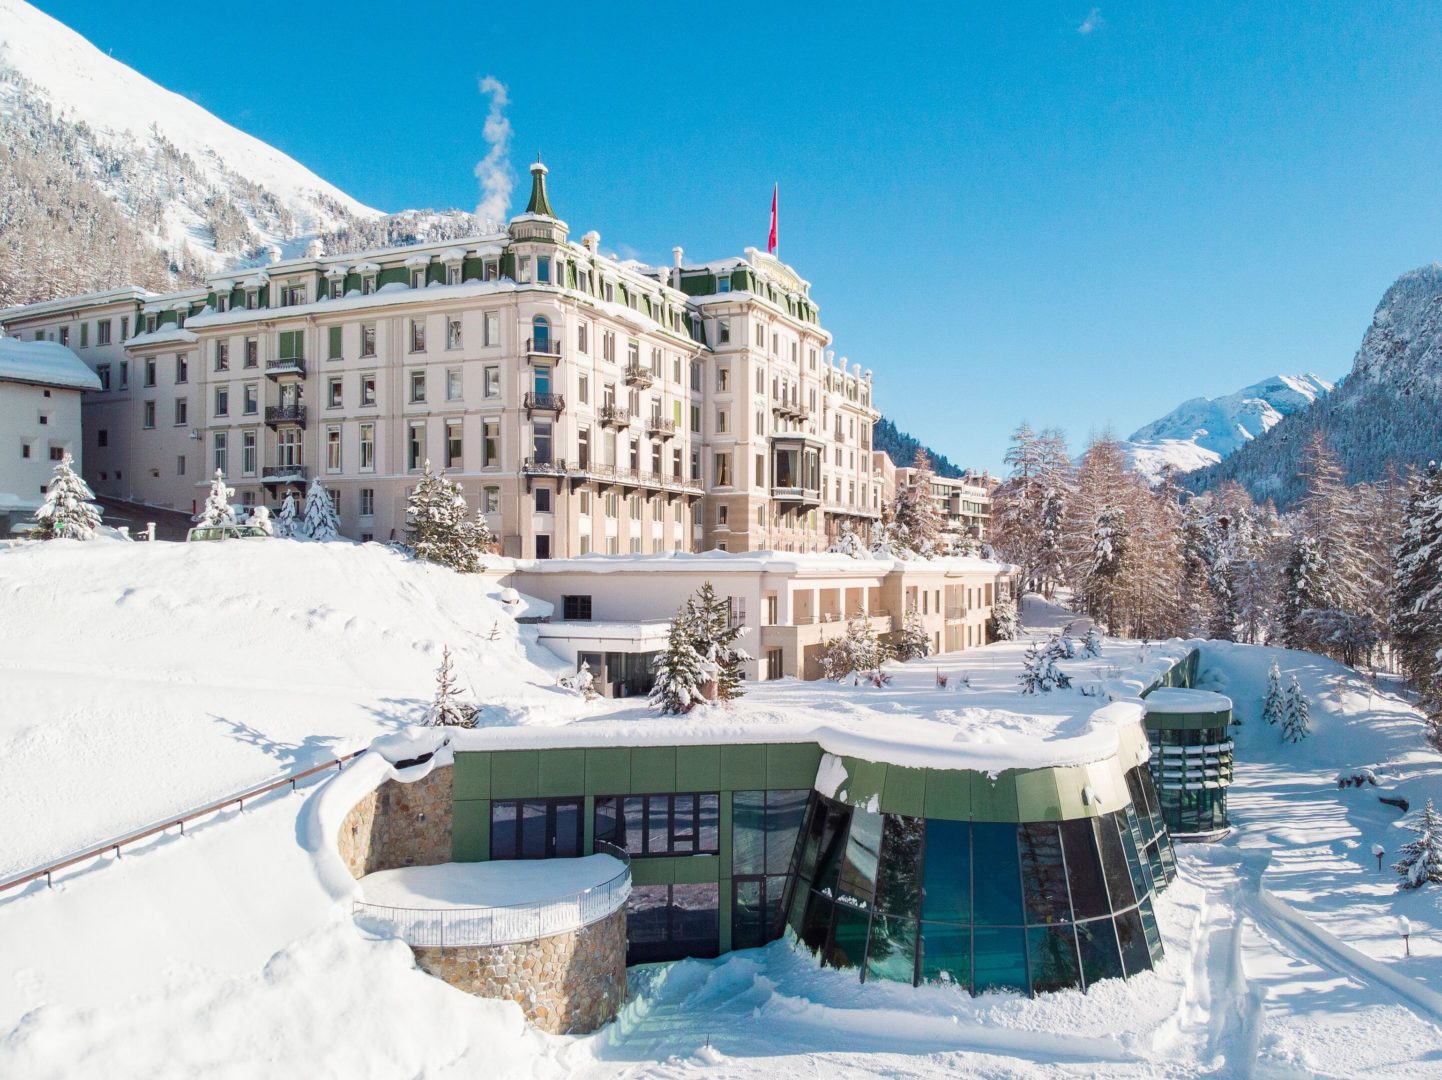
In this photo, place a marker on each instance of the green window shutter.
(335, 352)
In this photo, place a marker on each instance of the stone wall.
(569, 983)
(399, 825)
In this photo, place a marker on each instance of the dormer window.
(453, 274)
(523, 269)
(292, 295)
(723, 283)
(418, 277)
(492, 270)
(368, 284)
(149, 323)
(337, 288)
(252, 298)
(609, 289)
(222, 302)
(543, 269)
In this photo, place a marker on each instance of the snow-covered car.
(226, 532)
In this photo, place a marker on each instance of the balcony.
(615, 416)
(284, 474)
(544, 467)
(284, 414)
(289, 365)
(638, 376)
(552, 403)
(543, 347)
(661, 428)
(797, 495)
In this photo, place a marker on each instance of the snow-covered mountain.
(1386, 413)
(108, 178)
(1202, 431)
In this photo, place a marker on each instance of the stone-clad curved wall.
(566, 984)
(400, 824)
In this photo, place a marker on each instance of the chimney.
(591, 241)
(676, 254)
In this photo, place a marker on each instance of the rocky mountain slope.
(108, 178)
(1386, 413)
(1203, 431)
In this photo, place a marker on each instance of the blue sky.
(1075, 215)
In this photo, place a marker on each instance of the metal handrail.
(543, 348)
(238, 799)
(501, 924)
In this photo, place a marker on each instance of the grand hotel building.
(583, 403)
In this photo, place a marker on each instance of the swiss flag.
(771, 240)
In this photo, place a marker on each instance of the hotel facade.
(583, 403)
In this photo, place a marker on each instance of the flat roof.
(45, 363)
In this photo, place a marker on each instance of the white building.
(41, 383)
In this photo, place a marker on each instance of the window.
(222, 400)
(334, 392)
(491, 444)
(760, 470)
(182, 411)
(332, 448)
(103, 371)
(491, 500)
(222, 356)
(453, 444)
(25, 449)
(292, 345)
(418, 335)
(182, 369)
(608, 346)
(415, 446)
(367, 447)
(368, 390)
(418, 277)
(337, 287)
(723, 380)
(536, 828)
(125, 374)
(721, 421)
(582, 334)
(418, 386)
(696, 418)
(367, 502)
(368, 339)
(493, 328)
(85, 335)
(252, 399)
(722, 515)
(368, 283)
(247, 453)
(540, 334)
(150, 414)
(723, 331)
(218, 445)
(252, 352)
(292, 295)
(453, 333)
(646, 825)
(723, 470)
(453, 274)
(541, 441)
(453, 384)
(57, 453)
(102, 332)
(543, 269)
(180, 465)
(102, 437)
(333, 343)
(543, 500)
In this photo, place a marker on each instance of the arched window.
(540, 334)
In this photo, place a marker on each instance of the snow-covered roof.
(719, 562)
(163, 335)
(66, 303)
(47, 363)
(1176, 699)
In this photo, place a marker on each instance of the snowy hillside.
(158, 677)
(1202, 431)
(1387, 412)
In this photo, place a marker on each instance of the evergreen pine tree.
(1421, 858)
(1416, 604)
(287, 521)
(1274, 704)
(440, 527)
(714, 635)
(65, 513)
(217, 509)
(859, 651)
(1040, 673)
(259, 516)
(321, 521)
(916, 519)
(1295, 726)
(1004, 624)
(913, 643)
(680, 670)
(447, 709)
(1092, 646)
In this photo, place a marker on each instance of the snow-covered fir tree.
(1066, 644)
(858, 652)
(1416, 595)
(66, 513)
(321, 522)
(850, 543)
(440, 527)
(1029, 507)
(1421, 857)
(217, 509)
(915, 517)
(1040, 673)
(680, 671)
(259, 516)
(287, 522)
(913, 643)
(714, 635)
(1274, 703)
(1092, 645)
(1005, 623)
(1295, 726)
(447, 708)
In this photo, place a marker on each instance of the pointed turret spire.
(539, 203)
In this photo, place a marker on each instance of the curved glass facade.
(1030, 907)
(1192, 767)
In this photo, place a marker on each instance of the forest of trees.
(1352, 571)
(902, 449)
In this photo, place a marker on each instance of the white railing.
(501, 925)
